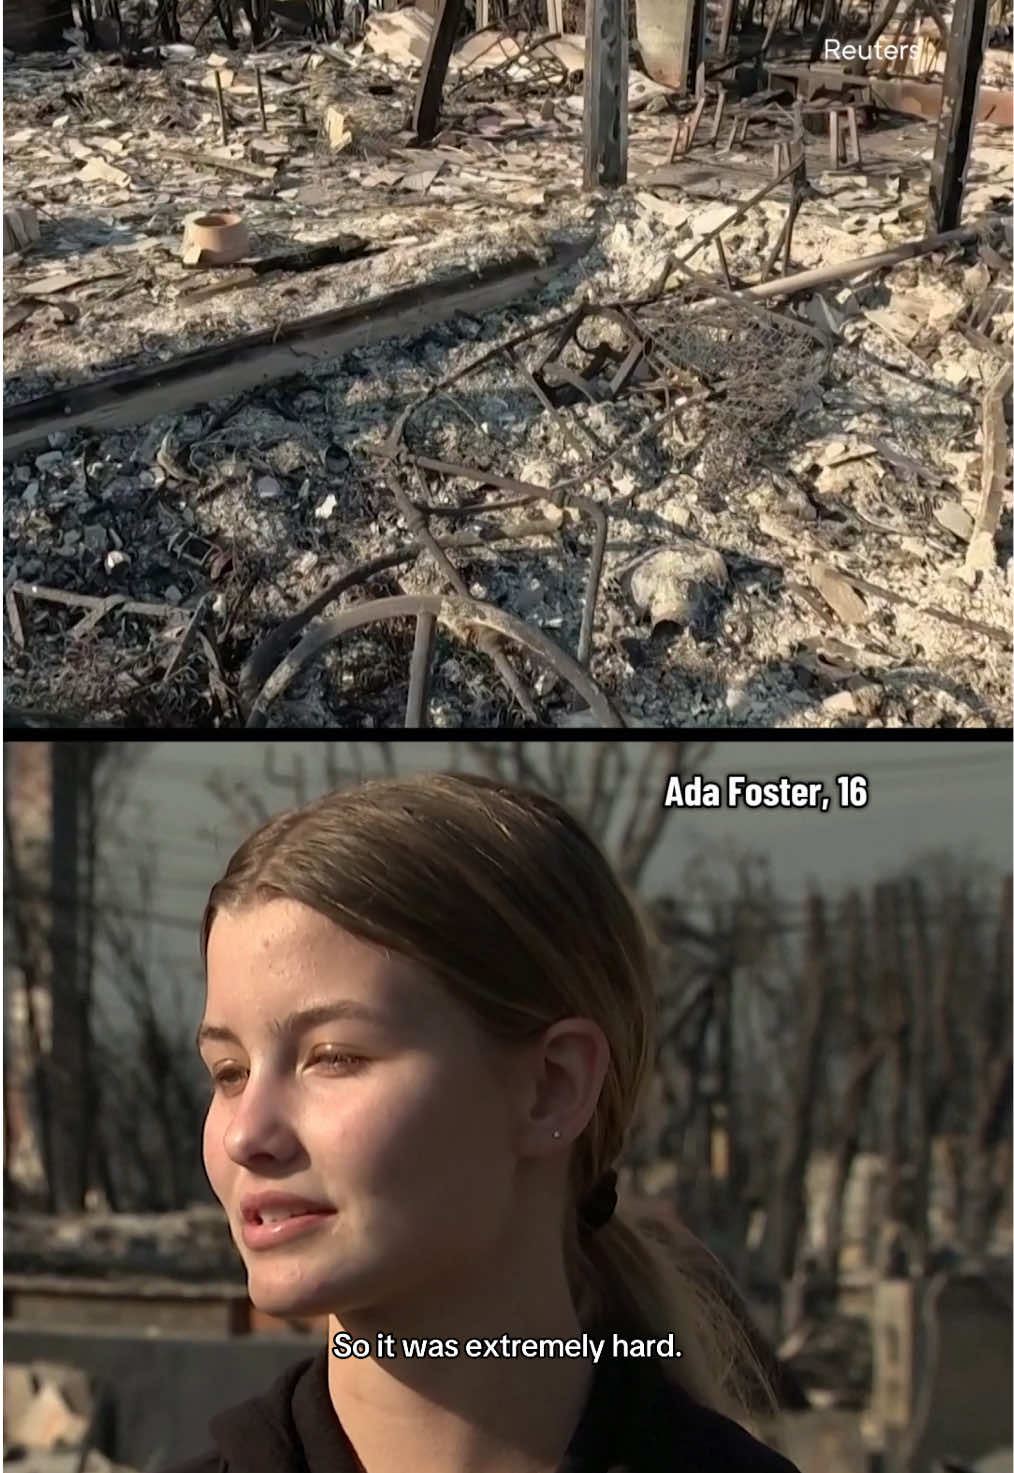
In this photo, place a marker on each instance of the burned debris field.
(459, 441)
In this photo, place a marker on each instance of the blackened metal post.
(957, 113)
(605, 93)
(221, 107)
(434, 69)
(260, 99)
(725, 28)
(859, 67)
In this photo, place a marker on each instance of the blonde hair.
(506, 900)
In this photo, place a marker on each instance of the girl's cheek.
(211, 1147)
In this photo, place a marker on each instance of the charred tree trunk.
(893, 1002)
(69, 1060)
(993, 1076)
(865, 1052)
(925, 1110)
(38, 26)
(167, 21)
(27, 1104)
(789, 1215)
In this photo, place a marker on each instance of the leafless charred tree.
(597, 783)
(920, 1145)
(893, 1002)
(258, 14)
(985, 1186)
(291, 778)
(167, 21)
(789, 1206)
(50, 867)
(72, 871)
(863, 1046)
(50, 902)
(27, 915)
(149, 1087)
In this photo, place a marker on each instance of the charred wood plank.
(135, 395)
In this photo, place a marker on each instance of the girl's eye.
(223, 1078)
(338, 1063)
(334, 1062)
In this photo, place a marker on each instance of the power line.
(123, 912)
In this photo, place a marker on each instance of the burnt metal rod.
(719, 110)
(769, 34)
(769, 264)
(726, 26)
(262, 659)
(260, 99)
(558, 497)
(419, 673)
(111, 602)
(858, 67)
(458, 613)
(550, 407)
(790, 223)
(738, 214)
(695, 120)
(720, 248)
(488, 642)
(822, 275)
(975, 626)
(221, 107)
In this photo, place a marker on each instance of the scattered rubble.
(21, 229)
(790, 515)
(47, 1413)
(833, 1359)
(673, 585)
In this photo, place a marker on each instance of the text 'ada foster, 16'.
(737, 790)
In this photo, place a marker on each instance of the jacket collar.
(635, 1421)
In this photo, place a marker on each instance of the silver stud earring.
(556, 1135)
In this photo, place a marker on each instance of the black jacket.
(633, 1420)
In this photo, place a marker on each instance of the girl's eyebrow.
(328, 1012)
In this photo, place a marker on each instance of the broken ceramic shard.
(673, 585)
(21, 228)
(835, 588)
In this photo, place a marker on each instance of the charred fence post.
(434, 69)
(957, 112)
(605, 93)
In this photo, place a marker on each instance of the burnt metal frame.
(458, 614)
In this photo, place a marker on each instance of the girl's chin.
(277, 1293)
(289, 1306)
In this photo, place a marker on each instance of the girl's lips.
(270, 1234)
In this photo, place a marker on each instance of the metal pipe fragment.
(822, 275)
